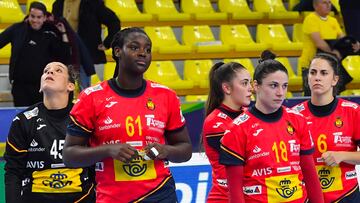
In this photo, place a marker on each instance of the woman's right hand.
(122, 152)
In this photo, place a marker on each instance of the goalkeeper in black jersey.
(34, 170)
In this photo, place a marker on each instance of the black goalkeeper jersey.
(34, 170)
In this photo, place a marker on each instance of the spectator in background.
(230, 91)
(86, 18)
(350, 10)
(33, 45)
(333, 123)
(34, 169)
(321, 31)
(80, 56)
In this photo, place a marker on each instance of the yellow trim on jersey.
(16, 149)
(347, 194)
(153, 191)
(232, 153)
(92, 185)
(78, 124)
(215, 135)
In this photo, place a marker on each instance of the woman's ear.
(335, 80)
(117, 51)
(226, 88)
(71, 87)
(255, 86)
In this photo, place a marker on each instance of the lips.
(49, 78)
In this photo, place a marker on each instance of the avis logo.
(134, 168)
(285, 191)
(57, 181)
(325, 180)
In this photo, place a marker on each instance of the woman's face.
(55, 78)
(36, 18)
(271, 93)
(321, 77)
(240, 88)
(135, 55)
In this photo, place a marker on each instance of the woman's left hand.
(156, 151)
(61, 27)
(332, 158)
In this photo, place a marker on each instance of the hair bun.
(266, 55)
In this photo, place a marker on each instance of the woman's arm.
(311, 179)
(76, 153)
(235, 175)
(332, 158)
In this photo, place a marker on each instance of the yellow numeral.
(283, 150)
(321, 143)
(130, 126)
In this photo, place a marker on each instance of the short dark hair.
(39, 6)
(267, 64)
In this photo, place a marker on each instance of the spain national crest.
(338, 122)
(290, 128)
(150, 104)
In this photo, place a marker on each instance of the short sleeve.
(232, 149)
(356, 120)
(306, 141)
(82, 116)
(310, 25)
(16, 158)
(175, 119)
(213, 131)
(337, 27)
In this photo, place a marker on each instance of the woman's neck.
(129, 83)
(231, 105)
(321, 100)
(263, 109)
(55, 100)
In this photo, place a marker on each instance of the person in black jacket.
(34, 169)
(86, 18)
(33, 45)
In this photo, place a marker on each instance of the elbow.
(188, 152)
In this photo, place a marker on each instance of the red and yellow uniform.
(334, 128)
(215, 125)
(269, 147)
(109, 115)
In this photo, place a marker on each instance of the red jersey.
(215, 124)
(335, 129)
(269, 147)
(110, 116)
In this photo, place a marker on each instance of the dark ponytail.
(219, 73)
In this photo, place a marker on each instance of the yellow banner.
(330, 178)
(137, 169)
(61, 180)
(284, 188)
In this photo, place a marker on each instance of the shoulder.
(348, 104)
(242, 119)
(311, 16)
(300, 108)
(159, 89)
(30, 112)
